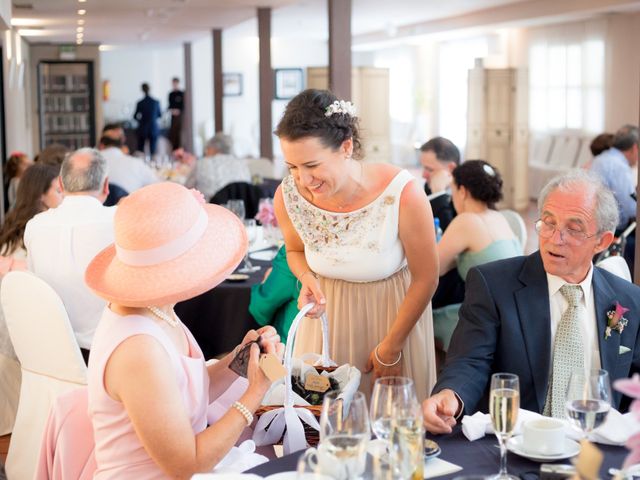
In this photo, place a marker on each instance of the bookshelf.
(66, 103)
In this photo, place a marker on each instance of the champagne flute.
(252, 232)
(344, 435)
(504, 404)
(588, 399)
(407, 440)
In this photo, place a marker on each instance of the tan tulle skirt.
(360, 315)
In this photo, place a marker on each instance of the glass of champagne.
(344, 435)
(588, 399)
(407, 441)
(504, 404)
(252, 232)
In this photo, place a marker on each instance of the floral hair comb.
(340, 106)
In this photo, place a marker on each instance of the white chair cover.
(49, 357)
(516, 223)
(262, 167)
(616, 265)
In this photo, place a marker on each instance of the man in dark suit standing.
(147, 114)
(176, 107)
(439, 157)
(543, 315)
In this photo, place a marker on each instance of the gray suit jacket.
(505, 323)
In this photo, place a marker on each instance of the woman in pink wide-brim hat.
(149, 387)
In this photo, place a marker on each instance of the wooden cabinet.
(497, 127)
(370, 95)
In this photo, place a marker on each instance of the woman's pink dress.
(119, 453)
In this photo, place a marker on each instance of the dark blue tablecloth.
(480, 457)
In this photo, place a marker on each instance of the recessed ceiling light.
(82, 11)
(80, 29)
(79, 41)
(81, 21)
(79, 35)
(82, 1)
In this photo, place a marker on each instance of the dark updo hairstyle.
(482, 181)
(305, 117)
(601, 143)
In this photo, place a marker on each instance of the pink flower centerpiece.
(631, 388)
(266, 215)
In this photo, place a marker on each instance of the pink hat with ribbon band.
(169, 246)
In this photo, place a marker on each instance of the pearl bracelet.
(375, 353)
(248, 416)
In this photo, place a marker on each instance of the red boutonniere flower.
(616, 320)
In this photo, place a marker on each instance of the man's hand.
(440, 180)
(439, 411)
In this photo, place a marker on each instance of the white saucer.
(571, 449)
(265, 255)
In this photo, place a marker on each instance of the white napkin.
(240, 458)
(436, 467)
(615, 431)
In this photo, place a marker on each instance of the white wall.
(127, 68)
(17, 81)
(202, 81)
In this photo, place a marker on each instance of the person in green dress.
(275, 300)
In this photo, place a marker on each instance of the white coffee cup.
(543, 436)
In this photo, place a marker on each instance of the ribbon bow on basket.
(297, 425)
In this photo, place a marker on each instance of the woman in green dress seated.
(275, 300)
(478, 234)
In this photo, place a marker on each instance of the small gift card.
(589, 461)
(272, 367)
(240, 362)
(317, 383)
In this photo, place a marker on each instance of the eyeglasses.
(569, 235)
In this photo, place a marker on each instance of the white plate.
(571, 449)
(265, 255)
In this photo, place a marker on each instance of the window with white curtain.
(566, 80)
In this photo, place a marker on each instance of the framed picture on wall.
(288, 82)
(231, 84)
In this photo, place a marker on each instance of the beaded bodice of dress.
(360, 246)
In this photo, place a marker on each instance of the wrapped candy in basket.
(291, 408)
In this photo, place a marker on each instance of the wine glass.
(344, 435)
(252, 233)
(588, 399)
(407, 440)
(237, 207)
(389, 392)
(504, 404)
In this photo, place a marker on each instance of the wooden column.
(266, 82)
(187, 122)
(216, 36)
(340, 48)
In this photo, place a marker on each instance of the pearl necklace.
(171, 320)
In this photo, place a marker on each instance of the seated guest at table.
(129, 173)
(149, 387)
(15, 167)
(115, 131)
(38, 191)
(218, 168)
(53, 154)
(439, 156)
(520, 313)
(61, 241)
(275, 300)
(478, 234)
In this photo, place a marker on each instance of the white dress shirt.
(60, 243)
(128, 172)
(588, 327)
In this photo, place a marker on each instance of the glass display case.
(66, 104)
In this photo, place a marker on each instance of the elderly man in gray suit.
(543, 315)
